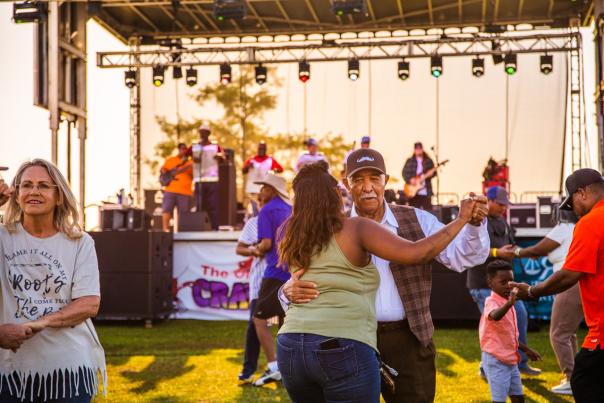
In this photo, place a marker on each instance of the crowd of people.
(349, 288)
(355, 311)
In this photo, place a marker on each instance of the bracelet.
(517, 251)
(530, 293)
(494, 252)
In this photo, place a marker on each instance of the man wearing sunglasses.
(584, 264)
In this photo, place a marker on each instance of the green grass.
(198, 361)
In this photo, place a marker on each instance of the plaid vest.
(414, 283)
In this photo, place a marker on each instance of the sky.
(471, 119)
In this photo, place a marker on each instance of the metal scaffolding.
(342, 49)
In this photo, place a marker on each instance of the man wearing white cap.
(313, 155)
(276, 210)
(206, 156)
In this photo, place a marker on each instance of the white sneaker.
(267, 377)
(563, 389)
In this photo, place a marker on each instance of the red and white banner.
(211, 281)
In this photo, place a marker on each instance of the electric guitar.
(419, 182)
(167, 177)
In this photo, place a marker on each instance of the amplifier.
(194, 221)
(545, 212)
(120, 219)
(522, 215)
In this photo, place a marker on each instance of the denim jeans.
(252, 346)
(347, 374)
(479, 295)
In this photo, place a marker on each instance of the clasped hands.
(13, 335)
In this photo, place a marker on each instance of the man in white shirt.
(313, 155)
(402, 302)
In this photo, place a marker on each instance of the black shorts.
(268, 304)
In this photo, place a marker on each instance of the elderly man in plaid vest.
(403, 299)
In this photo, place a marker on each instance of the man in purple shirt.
(274, 213)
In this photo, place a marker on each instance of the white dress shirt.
(469, 248)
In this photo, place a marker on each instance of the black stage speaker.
(153, 200)
(523, 215)
(194, 221)
(450, 299)
(545, 209)
(445, 214)
(128, 218)
(136, 274)
(227, 191)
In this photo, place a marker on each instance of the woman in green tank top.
(326, 350)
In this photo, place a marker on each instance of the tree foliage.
(241, 127)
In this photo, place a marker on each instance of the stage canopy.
(156, 19)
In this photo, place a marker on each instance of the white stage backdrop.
(211, 280)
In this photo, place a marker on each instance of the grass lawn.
(198, 361)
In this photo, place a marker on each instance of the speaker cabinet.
(135, 273)
(194, 221)
(450, 299)
(227, 192)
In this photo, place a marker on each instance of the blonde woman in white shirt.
(49, 282)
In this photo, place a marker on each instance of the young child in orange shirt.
(499, 336)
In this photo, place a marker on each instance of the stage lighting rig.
(28, 11)
(191, 77)
(497, 58)
(260, 74)
(478, 67)
(304, 71)
(130, 78)
(229, 9)
(403, 70)
(547, 64)
(158, 75)
(436, 66)
(342, 7)
(354, 70)
(225, 74)
(511, 63)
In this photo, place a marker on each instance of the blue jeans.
(252, 346)
(479, 295)
(348, 374)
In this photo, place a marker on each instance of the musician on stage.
(419, 171)
(256, 168)
(178, 170)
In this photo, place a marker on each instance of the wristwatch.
(517, 251)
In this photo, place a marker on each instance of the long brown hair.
(317, 215)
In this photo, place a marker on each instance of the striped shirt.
(249, 236)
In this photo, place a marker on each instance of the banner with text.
(211, 281)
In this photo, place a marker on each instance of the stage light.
(27, 11)
(403, 70)
(511, 65)
(436, 66)
(354, 71)
(342, 7)
(176, 72)
(130, 78)
(191, 76)
(497, 57)
(229, 9)
(478, 67)
(304, 71)
(225, 74)
(158, 75)
(547, 64)
(260, 74)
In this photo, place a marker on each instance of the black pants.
(587, 381)
(415, 363)
(206, 194)
(252, 345)
(421, 202)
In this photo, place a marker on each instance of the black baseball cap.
(577, 180)
(365, 158)
(418, 145)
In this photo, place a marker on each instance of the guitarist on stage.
(177, 172)
(418, 169)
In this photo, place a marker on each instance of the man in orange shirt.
(584, 264)
(178, 192)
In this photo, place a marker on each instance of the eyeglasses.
(43, 187)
